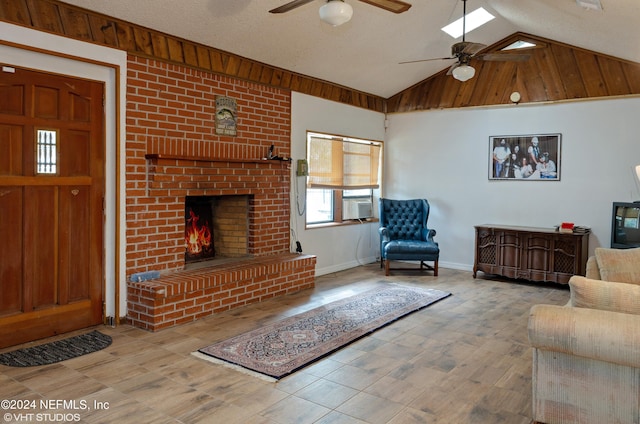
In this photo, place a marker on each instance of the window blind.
(342, 164)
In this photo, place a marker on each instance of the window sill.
(341, 224)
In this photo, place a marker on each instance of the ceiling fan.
(337, 12)
(465, 50)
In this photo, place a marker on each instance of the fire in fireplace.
(198, 229)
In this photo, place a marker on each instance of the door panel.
(11, 148)
(11, 250)
(78, 142)
(47, 102)
(74, 234)
(39, 246)
(51, 205)
(12, 99)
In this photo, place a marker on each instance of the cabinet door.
(486, 247)
(565, 259)
(510, 249)
(538, 250)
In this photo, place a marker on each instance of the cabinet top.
(529, 229)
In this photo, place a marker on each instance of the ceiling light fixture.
(463, 72)
(336, 12)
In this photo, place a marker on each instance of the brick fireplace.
(173, 154)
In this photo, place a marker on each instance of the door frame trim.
(51, 53)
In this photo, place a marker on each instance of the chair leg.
(435, 268)
(386, 266)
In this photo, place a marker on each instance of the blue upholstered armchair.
(404, 235)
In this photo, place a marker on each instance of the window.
(319, 205)
(46, 151)
(343, 172)
(474, 20)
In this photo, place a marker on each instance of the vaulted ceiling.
(581, 53)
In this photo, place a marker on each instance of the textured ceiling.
(364, 53)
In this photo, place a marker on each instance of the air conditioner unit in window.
(356, 209)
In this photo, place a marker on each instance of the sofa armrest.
(590, 333)
(604, 295)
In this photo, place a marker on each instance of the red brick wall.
(171, 114)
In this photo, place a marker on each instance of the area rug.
(288, 345)
(59, 350)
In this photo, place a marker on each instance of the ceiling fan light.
(463, 73)
(336, 12)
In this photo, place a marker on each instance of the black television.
(625, 225)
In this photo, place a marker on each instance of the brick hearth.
(186, 296)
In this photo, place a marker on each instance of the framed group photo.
(534, 157)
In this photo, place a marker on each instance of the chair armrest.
(384, 234)
(590, 333)
(428, 234)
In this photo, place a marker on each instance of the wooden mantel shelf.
(156, 156)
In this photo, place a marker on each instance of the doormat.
(283, 347)
(59, 350)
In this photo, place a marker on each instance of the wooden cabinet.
(528, 253)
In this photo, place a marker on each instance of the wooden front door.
(51, 204)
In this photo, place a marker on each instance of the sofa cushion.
(604, 295)
(621, 265)
(592, 269)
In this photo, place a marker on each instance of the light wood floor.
(465, 359)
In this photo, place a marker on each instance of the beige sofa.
(586, 354)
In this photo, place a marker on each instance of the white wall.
(342, 247)
(442, 155)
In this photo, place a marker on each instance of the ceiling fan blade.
(395, 6)
(454, 66)
(290, 6)
(504, 57)
(426, 60)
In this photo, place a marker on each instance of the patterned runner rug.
(59, 350)
(285, 346)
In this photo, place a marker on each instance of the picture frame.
(532, 157)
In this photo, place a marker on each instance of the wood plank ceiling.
(554, 72)
(70, 21)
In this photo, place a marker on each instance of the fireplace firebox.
(216, 227)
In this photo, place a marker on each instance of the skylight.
(475, 19)
(520, 44)
(590, 4)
